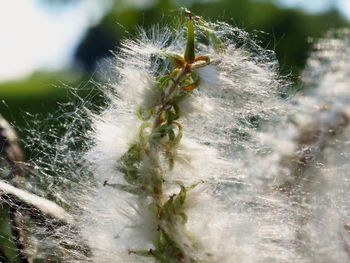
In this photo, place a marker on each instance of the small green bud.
(189, 52)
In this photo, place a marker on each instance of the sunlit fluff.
(268, 179)
(306, 161)
(240, 84)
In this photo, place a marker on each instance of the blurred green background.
(79, 34)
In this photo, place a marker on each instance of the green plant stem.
(142, 163)
(157, 175)
(172, 89)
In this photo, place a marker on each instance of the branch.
(43, 205)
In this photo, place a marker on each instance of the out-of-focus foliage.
(7, 246)
(39, 94)
(288, 30)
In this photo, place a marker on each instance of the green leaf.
(161, 131)
(173, 206)
(170, 115)
(180, 198)
(8, 247)
(167, 249)
(171, 135)
(176, 59)
(144, 115)
(179, 135)
(190, 52)
(144, 126)
(129, 164)
(163, 81)
(177, 111)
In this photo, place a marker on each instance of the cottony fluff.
(195, 159)
(235, 87)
